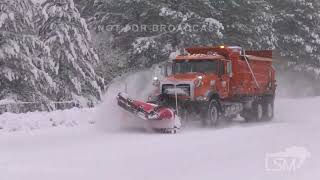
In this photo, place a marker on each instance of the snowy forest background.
(58, 54)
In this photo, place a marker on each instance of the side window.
(229, 68)
(221, 68)
(169, 69)
(166, 69)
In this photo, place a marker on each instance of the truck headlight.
(156, 81)
(198, 81)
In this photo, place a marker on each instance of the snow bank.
(107, 115)
(10, 122)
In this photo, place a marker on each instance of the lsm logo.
(289, 160)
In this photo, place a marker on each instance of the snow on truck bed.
(103, 151)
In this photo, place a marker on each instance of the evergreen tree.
(147, 31)
(25, 66)
(68, 37)
(249, 23)
(298, 29)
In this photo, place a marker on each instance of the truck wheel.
(258, 111)
(255, 113)
(212, 114)
(268, 111)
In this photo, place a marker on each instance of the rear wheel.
(255, 113)
(268, 110)
(258, 111)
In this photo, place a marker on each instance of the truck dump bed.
(253, 73)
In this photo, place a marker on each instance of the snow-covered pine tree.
(134, 36)
(249, 23)
(25, 66)
(68, 37)
(290, 27)
(298, 29)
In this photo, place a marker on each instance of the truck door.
(224, 74)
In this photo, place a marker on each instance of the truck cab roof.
(199, 57)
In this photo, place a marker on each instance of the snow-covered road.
(103, 151)
(234, 152)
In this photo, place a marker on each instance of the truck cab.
(196, 77)
(199, 75)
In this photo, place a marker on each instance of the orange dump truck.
(218, 83)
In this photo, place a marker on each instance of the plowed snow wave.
(109, 116)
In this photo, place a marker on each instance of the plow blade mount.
(159, 118)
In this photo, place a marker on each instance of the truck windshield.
(202, 66)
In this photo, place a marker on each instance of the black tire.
(213, 114)
(268, 110)
(256, 113)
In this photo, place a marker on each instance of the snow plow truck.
(215, 83)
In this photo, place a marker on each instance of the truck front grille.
(184, 87)
(166, 86)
